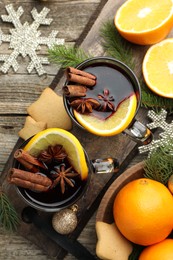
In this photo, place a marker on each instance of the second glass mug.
(136, 130)
(49, 201)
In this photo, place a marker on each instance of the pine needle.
(159, 166)
(8, 215)
(151, 100)
(67, 56)
(116, 46)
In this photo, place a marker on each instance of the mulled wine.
(51, 180)
(53, 199)
(115, 83)
(54, 196)
(112, 79)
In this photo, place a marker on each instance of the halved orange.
(70, 143)
(144, 21)
(113, 125)
(158, 68)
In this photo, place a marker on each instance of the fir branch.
(151, 100)
(159, 166)
(115, 45)
(67, 56)
(8, 215)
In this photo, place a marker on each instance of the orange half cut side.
(113, 125)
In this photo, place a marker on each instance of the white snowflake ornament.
(159, 121)
(25, 39)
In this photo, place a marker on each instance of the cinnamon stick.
(74, 91)
(80, 77)
(81, 80)
(28, 161)
(29, 180)
(29, 185)
(80, 72)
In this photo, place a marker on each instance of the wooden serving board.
(120, 147)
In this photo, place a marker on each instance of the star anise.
(52, 153)
(63, 176)
(107, 101)
(85, 105)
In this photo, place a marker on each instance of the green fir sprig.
(151, 100)
(8, 216)
(115, 45)
(159, 166)
(67, 56)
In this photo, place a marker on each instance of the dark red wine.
(54, 196)
(113, 79)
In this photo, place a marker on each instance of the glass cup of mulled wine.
(52, 199)
(115, 82)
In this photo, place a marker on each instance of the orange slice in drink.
(144, 21)
(113, 125)
(70, 143)
(158, 68)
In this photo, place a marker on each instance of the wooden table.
(74, 21)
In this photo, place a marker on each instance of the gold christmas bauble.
(65, 221)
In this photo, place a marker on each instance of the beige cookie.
(111, 245)
(31, 127)
(49, 108)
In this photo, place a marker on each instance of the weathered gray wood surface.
(19, 90)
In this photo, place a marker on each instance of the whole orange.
(159, 251)
(143, 211)
(170, 183)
